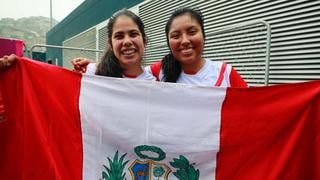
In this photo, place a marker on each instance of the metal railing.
(268, 40)
(61, 47)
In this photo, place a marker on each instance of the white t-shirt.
(207, 76)
(92, 67)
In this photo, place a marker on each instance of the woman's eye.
(192, 32)
(174, 36)
(118, 36)
(134, 34)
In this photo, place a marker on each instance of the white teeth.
(128, 52)
(187, 51)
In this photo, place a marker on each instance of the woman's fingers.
(7, 61)
(80, 64)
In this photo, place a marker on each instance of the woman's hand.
(7, 61)
(80, 64)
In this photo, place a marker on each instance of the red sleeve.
(236, 80)
(155, 69)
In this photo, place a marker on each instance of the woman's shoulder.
(213, 66)
(146, 75)
(214, 63)
(91, 69)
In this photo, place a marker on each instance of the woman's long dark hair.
(171, 67)
(109, 64)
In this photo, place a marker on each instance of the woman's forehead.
(183, 21)
(124, 23)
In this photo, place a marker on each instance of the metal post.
(50, 14)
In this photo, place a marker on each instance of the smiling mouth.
(186, 51)
(128, 52)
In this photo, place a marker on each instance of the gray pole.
(50, 13)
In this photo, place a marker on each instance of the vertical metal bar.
(50, 14)
(268, 44)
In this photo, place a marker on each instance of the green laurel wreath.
(115, 172)
(139, 149)
(185, 169)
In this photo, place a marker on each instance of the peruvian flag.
(61, 125)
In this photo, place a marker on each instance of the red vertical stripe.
(271, 133)
(41, 135)
(221, 74)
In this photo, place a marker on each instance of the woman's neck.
(193, 68)
(133, 72)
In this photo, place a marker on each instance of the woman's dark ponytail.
(109, 65)
(171, 68)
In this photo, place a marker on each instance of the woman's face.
(127, 42)
(186, 40)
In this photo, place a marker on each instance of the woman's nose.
(127, 41)
(185, 39)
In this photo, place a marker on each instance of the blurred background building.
(268, 42)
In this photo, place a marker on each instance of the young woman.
(122, 59)
(184, 64)
(127, 40)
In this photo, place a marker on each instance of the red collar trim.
(129, 76)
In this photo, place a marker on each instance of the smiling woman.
(184, 64)
(186, 41)
(127, 44)
(122, 59)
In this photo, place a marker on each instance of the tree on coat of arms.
(115, 172)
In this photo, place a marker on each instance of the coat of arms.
(150, 167)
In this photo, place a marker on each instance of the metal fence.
(78, 52)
